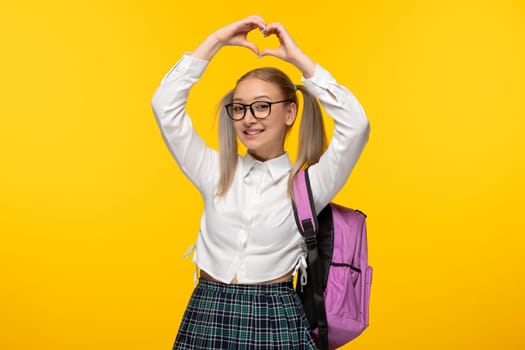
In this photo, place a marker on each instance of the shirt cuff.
(187, 65)
(321, 79)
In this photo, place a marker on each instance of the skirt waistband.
(248, 289)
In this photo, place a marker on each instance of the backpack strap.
(304, 207)
(306, 220)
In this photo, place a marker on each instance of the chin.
(251, 145)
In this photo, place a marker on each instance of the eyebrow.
(256, 98)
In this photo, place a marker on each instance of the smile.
(253, 132)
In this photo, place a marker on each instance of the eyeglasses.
(259, 109)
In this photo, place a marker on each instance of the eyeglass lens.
(258, 109)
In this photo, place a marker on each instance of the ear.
(291, 114)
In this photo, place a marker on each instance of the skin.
(264, 139)
(236, 34)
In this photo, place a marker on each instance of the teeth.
(252, 132)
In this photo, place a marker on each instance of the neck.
(265, 157)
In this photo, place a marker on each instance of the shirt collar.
(277, 167)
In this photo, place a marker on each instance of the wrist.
(208, 48)
(305, 64)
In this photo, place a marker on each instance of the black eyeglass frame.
(250, 106)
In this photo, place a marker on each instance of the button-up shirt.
(250, 232)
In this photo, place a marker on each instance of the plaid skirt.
(244, 317)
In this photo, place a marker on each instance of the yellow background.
(95, 215)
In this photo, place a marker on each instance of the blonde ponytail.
(312, 135)
(227, 147)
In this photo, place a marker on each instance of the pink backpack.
(337, 294)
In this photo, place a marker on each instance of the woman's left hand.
(288, 50)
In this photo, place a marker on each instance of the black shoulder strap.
(309, 230)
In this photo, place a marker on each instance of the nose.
(249, 118)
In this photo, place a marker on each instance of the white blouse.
(251, 232)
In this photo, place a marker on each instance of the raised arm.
(169, 102)
(351, 130)
(350, 135)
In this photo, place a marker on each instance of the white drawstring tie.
(301, 264)
(186, 255)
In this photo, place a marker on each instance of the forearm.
(304, 64)
(208, 48)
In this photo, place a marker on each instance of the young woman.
(248, 247)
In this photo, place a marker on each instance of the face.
(264, 138)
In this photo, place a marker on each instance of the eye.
(238, 108)
(261, 106)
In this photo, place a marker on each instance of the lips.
(253, 132)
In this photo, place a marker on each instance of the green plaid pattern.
(244, 317)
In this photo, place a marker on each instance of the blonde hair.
(312, 135)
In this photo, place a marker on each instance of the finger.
(271, 52)
(254, 21)
(259, 20)
(275, 28)
(284, 37)
(278, 30)
(236, 33)
(250, 45)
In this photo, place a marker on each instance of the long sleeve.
(351, 131)
(169, 106)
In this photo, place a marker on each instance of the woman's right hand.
(234, 34)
